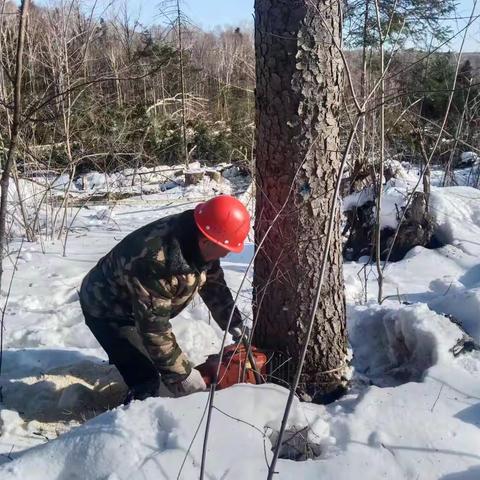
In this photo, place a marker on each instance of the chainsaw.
(243, 364)
(240, 364)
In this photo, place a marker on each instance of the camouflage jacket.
(150, 277)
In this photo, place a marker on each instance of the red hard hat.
(224, 220)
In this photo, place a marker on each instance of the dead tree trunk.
(182, 83)
(299, 78)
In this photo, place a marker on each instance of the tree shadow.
(470, 415)
(18, 363)
(423, 297)
(436, 451)
(472, 277)
(52, 386)
(473, 473)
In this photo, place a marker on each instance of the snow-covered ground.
(413, 411)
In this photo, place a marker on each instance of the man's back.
(160, 249)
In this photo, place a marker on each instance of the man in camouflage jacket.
(129, 297)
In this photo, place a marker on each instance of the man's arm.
(152, 302)
(218, 298)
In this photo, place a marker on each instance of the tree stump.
(416, 230)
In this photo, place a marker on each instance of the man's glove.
(239, 333)
(193, 383)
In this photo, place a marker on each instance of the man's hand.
(193, 383)
(239, 333)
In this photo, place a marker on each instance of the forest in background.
(103, 92)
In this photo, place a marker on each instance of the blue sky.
(211, 13)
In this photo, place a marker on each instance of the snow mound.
(462, 303)
(150, 439)
(394, 197)
(456, 211)
(395, 345)
(468, 158)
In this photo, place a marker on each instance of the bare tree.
(172, 10)
(10, 159)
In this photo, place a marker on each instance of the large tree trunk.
(299, 78)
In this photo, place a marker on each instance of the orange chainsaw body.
(232, 367)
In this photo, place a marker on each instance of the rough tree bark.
(299, 78)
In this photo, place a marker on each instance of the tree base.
(330, 397)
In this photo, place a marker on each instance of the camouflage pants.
(124, 347)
